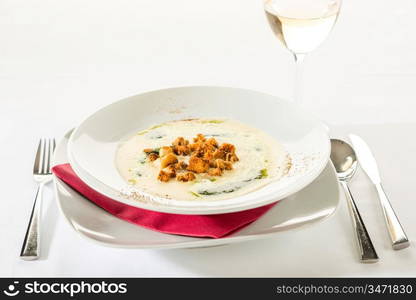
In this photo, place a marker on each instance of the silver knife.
(369, 165)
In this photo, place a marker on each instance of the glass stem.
(298, 83)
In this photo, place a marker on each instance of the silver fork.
(42, 175)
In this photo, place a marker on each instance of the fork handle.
(31, 244)
(367, 253)
(398, 237)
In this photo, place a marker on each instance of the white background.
(61, 60)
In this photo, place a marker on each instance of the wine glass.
(301, 26)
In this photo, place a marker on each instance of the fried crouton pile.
(206, 156)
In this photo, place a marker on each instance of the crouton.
(185, 177)
(232, 157)
(215, 172)
(171, 171)
(227, 148)
(208, 155)
(198, 165)
(202, 150)
(163, 176)
(219, 154)
(219, 163)
(181, 165)
(148, 150)
(199, 138)
(165, 151)
(182, 150)
(180, 141)
(228, 165)
(194, 146)
(213, 142)
(153, 156)
(223, 165)
(167, 160)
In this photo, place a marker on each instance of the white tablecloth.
(60, 61)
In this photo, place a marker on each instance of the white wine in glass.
(301, 26)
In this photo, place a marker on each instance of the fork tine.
(52, 145)
(45, 157)
(37, 166)
(47, 154)
(46, 161)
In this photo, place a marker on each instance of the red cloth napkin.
(214, 226)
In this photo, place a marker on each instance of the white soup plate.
(93, 144)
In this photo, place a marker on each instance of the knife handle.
(367, 253)
(398, 237)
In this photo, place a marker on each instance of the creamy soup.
(261, 159)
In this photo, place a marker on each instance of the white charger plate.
(311, 205)
(92, 146)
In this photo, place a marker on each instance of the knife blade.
(368, 163)
(366, 158)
